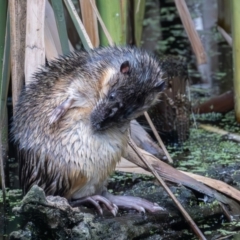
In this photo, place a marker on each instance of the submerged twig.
(180, 207)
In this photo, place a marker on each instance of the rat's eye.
(112, 96)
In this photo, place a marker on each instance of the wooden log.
(220, 104)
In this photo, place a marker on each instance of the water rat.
(71, 122)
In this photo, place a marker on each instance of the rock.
(53, 218)
(20, 235)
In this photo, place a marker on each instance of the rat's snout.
(105, 115)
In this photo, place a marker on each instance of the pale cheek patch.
(104, 81)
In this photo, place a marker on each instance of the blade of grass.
(139, 10)
(5, 77)
(124, 11)
(78, 25)
(236, 54)
(3, 20)
(6, 70)
(57, 6)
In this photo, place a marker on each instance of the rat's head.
(133, 88)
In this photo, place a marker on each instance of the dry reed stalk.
(155, 132)
(17, 10)
(90, 21)
(191, 31)
(35, 47)
(61, 28)
(50, 44)
(51, 36)
(225, 35)
(78, 25)
(108, 36)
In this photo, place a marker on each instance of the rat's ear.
(60, 110)
(125, 67)
(159, 86)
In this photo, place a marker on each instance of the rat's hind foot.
(96, 200)
(129, 202)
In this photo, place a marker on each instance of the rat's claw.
(114, 211)
(156, 207)
(141, 210)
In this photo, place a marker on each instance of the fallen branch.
(230, 136)
(216, 184)
(173, 175)
(180, 207)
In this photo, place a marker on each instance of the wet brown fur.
(68, 157)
